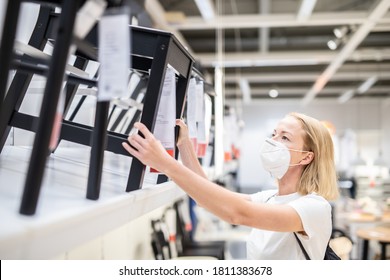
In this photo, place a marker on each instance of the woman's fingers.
(180, 122)
(131, 150)
(136, 141)
(183, 132)
(146, 148)
(144, 130)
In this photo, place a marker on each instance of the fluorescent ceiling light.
(339, 32)
(273, 93)
(346, 96)
(306, 9)
(246, 91)
(206, 9)
(333, 44)
(367, 84)
(265, 62)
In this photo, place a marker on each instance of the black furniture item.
(151, 52)
(162, 249)
(52, 90)
(185, 240)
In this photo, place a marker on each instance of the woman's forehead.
(289, 124)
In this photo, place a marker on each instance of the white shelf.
(64, 217)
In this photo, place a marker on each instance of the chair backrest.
(183, 227)
(160, 243)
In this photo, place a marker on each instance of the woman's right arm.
(228, 205)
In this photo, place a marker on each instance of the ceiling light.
(273, 93)
(206, 9)
(333, 44)
(367, 84)
(340, 31)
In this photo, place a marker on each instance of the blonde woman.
(299, 155)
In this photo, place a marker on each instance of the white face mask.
(276, 157)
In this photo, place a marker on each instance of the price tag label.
(164, 129)
(114, 54)
(191, 112)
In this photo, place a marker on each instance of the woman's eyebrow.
(283, 132)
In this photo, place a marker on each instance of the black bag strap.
(302, 248)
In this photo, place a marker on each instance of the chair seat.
(194, 258)
(198, 252)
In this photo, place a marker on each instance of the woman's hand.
(147, 149)
(183, 132)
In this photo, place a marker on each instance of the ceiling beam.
(305, 9)
(250, 59)
(264, 31)
(206, 9)
(157, 13)
(356, 38)
(274, 20)
(263, 91)
(298, 77)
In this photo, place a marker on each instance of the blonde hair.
(320, 174)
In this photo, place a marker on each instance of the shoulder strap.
(302, 248)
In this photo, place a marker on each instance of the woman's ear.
(308, 158)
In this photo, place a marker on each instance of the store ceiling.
(283, 45)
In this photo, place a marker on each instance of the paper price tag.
(191, 112)
(199, 114)
(114, 54)
(204, 127)
(164, 129)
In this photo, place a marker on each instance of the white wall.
(260, 118)
(131, 241)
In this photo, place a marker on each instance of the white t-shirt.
(315, 213)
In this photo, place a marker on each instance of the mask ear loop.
(296, 164)
(294, 150)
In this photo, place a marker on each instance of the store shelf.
(64, 217)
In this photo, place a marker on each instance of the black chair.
(184, 235)
(151, 52)
(159, 242)
(162, 248)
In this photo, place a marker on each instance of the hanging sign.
(191, 113)
(199, 115)
(114, 54)
(164, 129)
(204, 127)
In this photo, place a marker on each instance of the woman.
(299, 155)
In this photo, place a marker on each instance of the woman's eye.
(285, 138)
